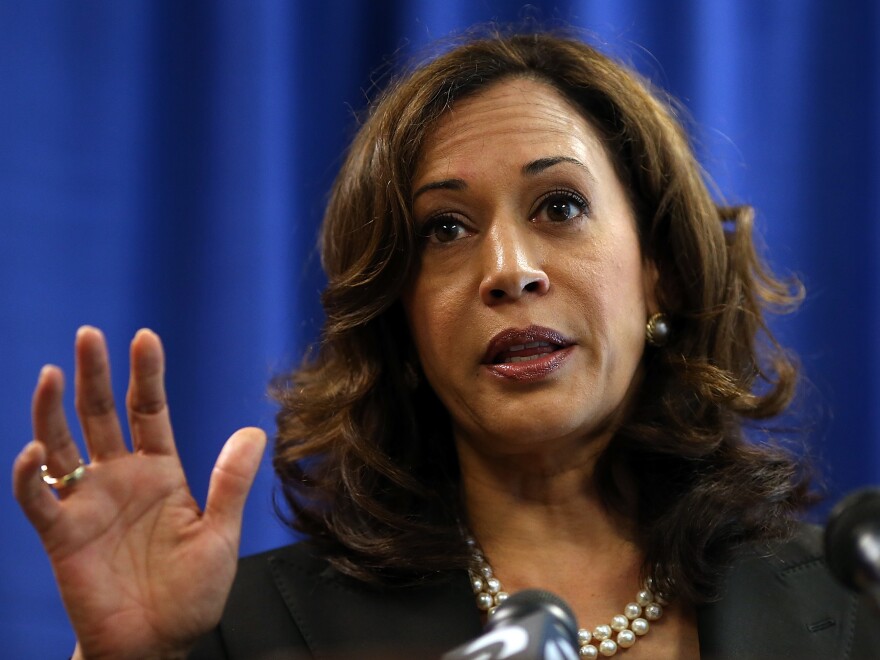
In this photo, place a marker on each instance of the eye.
(444, 229)
(561, 206)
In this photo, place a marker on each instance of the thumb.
(233, 476)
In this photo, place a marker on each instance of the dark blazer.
(289, 603)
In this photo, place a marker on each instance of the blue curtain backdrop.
(165, 164)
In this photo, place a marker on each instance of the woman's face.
(528, 310)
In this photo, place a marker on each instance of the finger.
(36, 500)
(146, 403)
(50, 423)
(232, 478)
(94, 396)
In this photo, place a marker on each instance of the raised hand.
(141, 569)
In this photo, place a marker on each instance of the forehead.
(511, 119)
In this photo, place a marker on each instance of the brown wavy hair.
(364, 450)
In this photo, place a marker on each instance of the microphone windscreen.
(525, 602)
(854, 516)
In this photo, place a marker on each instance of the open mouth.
(525, 352)
(524, 345)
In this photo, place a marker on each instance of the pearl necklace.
(629, 626)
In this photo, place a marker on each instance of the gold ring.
(58, 483)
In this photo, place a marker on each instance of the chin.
(537, 433)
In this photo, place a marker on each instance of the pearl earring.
(657, 330)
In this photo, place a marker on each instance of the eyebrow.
(445, 184)
(532, 168)
(537, 166)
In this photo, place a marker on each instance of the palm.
(140, 567)
(138, 537)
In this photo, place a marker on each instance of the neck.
(532, 516)
(541, 523)
(533, 499)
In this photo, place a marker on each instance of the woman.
(543, 340)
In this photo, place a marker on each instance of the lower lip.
(531, 370)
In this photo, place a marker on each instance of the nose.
(512, 267)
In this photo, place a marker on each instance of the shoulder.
(291, 602)
(257, 572)
(256, 621)
(780, 600)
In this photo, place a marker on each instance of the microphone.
(852, 542)
(530, 625)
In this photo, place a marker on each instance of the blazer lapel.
(344, 618)
(780, 605)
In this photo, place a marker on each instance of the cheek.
(608, 291)
(435, 321)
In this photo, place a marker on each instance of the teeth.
(527, 346)
(531, 344)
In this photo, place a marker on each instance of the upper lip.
(509, 337)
